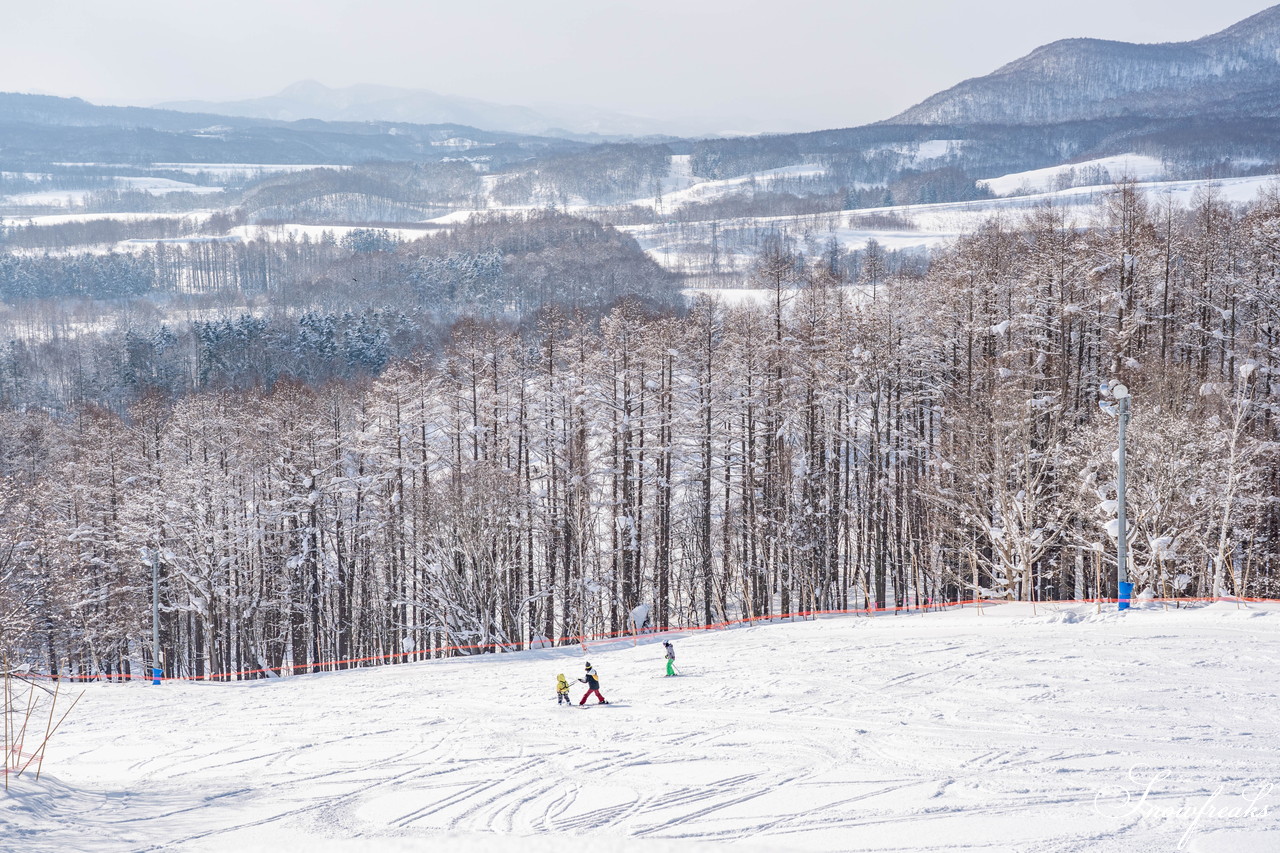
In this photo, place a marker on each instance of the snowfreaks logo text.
(1147, 797)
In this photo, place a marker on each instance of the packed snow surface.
(1062, 730)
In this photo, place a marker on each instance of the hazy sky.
(784, 64)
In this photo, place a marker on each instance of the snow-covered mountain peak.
(1235, 72)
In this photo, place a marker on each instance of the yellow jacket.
(562, 686)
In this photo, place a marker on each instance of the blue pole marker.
(155, 675)
(1126, 594)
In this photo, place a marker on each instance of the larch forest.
(861, 438)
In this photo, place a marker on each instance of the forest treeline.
(830, 447)
(105, 329)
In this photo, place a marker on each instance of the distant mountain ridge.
(1203, 108)
(45, 128)
(312, 100)
(1233, 73)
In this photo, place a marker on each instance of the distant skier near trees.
(562, 690)
(671, 657)
(593, 686)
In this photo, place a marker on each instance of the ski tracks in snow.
(948, 732)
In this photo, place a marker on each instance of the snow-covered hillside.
(687, 247)
(1139, 167)
(1232, 73)
(76, 197)
(1068, 730)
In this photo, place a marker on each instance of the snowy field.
(763, 297)
(1152, 730)
(684, 246)
(241, 171)
(279, 232)
(687, 189)
(1140, 167)
(71, 198)
(62, 218)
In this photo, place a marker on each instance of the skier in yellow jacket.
(562, 690)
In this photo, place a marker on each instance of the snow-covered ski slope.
(1067, 730)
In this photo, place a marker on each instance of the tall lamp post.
(152, 556)
(1115, 402)
(155, 618)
